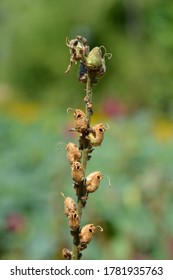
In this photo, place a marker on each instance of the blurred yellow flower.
(163, 130)
(24, 111)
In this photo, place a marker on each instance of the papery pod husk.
(67, 254)
(94, 59)
(73, 153)
(93, 181)
(73, 220)
(77, 172)
(79, 49)
(97, 134)
(69, 205)
(80, 121)
(87, 233)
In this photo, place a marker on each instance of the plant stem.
(81, 191)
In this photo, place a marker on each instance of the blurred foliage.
(135, 98)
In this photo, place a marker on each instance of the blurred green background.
(135, 98)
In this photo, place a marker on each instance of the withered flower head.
(79, 49)
(93, 181)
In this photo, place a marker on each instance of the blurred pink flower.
(113, 108)
(15, 222)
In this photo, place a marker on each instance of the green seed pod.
(94, 59)
(93, 181)
(96, 63)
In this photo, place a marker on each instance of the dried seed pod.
(96, 134)
(69, 205)
(93, 181)
(73, 153)
(80, 120)
(73, 220)
(87, 233)
(67, 254)
(77, 172)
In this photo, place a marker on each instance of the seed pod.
(73, 153)
(93, 181)
(69, 205)
(77, 172)
(97, 134)
(67, 254)
(73, 220)
(94, 59)
(87, 233)
(80, 120)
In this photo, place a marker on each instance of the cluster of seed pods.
(92, 181)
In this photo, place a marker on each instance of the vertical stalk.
(81, 192)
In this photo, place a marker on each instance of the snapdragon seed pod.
(93, 181)
(69, 205)
(73, 153)
(77, 172)
(94, 59)
(67, 254)
(80, 120)
(87, 233)
(73, 220)
(97, 134)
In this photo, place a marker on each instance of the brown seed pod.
(77, 172)
(69, 205)
(87, 233)
(80, 120)
(67, 254)
(97, 134)
(93, 181)
(73, 153)
(73, 220)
